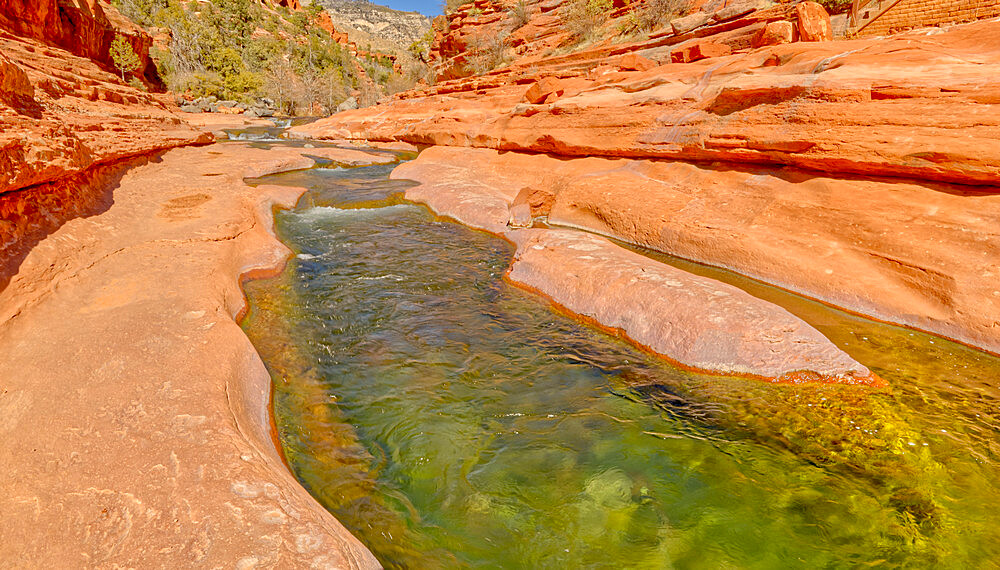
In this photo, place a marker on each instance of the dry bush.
(518, 14)
(584, 18)
(489, 52)
(652, 15)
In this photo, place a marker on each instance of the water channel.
(451, 420)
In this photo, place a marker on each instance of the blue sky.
(429, 7)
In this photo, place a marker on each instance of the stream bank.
(134, 410)
(452, 420)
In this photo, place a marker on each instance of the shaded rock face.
(82, 27)
(65, 121)
(60, 114)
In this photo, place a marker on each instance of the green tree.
(124, 56)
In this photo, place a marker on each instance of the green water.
(451, 420)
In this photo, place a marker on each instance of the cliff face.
(863, 173)
(392, 27)
(82, 27)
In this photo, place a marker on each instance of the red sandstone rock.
(635, 62)
(530, 203)
(813, 22)
(733, 11)
(698, 322)
(699, 50)
(76, 116)
(82, 27)
(690, 22)
(156, 446)
(687, 113)
(14, 81)
(774, 33)
(542, 89)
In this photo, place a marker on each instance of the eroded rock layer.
(924, 255)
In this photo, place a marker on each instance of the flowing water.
(451, 420)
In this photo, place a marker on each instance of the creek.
(451, 420)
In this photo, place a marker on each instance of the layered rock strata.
(61, 114)
(861, 173)
(84, 28)
(134, 409)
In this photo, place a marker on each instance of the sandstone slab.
(134, 409)
(698, 322)
(699, 50)
(690, 22)
(916, 254)
(635, 62)
(813, 22)
(543, 89)
(773, 34)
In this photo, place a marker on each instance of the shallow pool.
(451, 420)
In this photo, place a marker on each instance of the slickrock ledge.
(698, 322)
(133, 409)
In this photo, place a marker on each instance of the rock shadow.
(30, 214)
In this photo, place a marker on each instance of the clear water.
(451, 420)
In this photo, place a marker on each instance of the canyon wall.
(82, 27)
(66, 118)
(862, 173)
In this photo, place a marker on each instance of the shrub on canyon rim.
(124, 56)
(489, 52)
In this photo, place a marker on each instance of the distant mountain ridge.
(399, 28)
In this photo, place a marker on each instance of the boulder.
(191, 109)
(542, 89)
(13, 80)
(348, 104)
(635, 62)
(690, 22)
(774, 33)
(530, 203)
(699, 50)
(813, 22)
